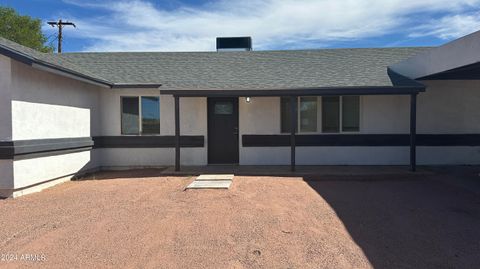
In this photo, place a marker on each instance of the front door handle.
(235, 130)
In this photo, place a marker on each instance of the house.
(65, 114)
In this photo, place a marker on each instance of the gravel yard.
(139, 219)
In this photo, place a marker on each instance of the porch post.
(177, 133)
(293, 127)
(413, 131)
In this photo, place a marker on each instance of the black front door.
(223, 130)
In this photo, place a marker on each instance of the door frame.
(209, 143)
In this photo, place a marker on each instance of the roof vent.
(234, 43)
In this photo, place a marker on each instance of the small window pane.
(223, 108)
(350, 113)
(285, 115)
(331, 114)
(308, 114)
(150, 115)
(130, 115)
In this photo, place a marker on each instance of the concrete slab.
(211, 177)
(301, 170)
(216, 184)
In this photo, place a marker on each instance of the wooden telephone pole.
(60, 25)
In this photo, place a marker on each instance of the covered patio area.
(397, 85)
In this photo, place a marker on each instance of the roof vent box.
(234, 43)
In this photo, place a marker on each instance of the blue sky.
(179, 25)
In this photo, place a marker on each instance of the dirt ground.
(139, 219)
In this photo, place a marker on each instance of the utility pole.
(60, 25)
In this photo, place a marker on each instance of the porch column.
(293, 127)
(413, 131)
(177, 133)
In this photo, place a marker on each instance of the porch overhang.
(322, 91)
(412, 89)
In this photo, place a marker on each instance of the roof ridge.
(241, 52)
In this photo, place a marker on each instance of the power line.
(60, 25)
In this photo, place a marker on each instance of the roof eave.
(41, 65)
(136, 85)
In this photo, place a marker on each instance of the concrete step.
(215, 184)
(213, 177)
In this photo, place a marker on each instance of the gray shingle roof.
(29, 56)
(234, 70)
(247, 70)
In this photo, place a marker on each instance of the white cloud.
(142, 26)
(449, 27)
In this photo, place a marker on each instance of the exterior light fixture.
(247, 99)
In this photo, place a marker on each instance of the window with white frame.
(140, 115)
(337, 114)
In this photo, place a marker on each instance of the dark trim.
(29, 60)
(467, 72)
(177, 133)
(49, 153)
(293, 127)
(387, 90)
(361, 140)
(16, 55)
(167, 141)
(27, 149)
(138, 86)
(7, 150)
(413, 131)
(22, 149)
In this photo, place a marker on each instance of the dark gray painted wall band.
(367, 140)
(33, 155)
(25, 149)
(167, 141)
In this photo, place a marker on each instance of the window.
(285, 115)
(331, 114)
(150, 115)
(223, 108)
(338, 114)
(308, 114)
(130, 111)
(341, 111)
(149, 109)
(350, 113)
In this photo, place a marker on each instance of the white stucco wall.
(6, 174)
(447, 107)
(150, 157)
(193, 121)
(6, 166)
(46, 105)
(33, 171)
(5, 98)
